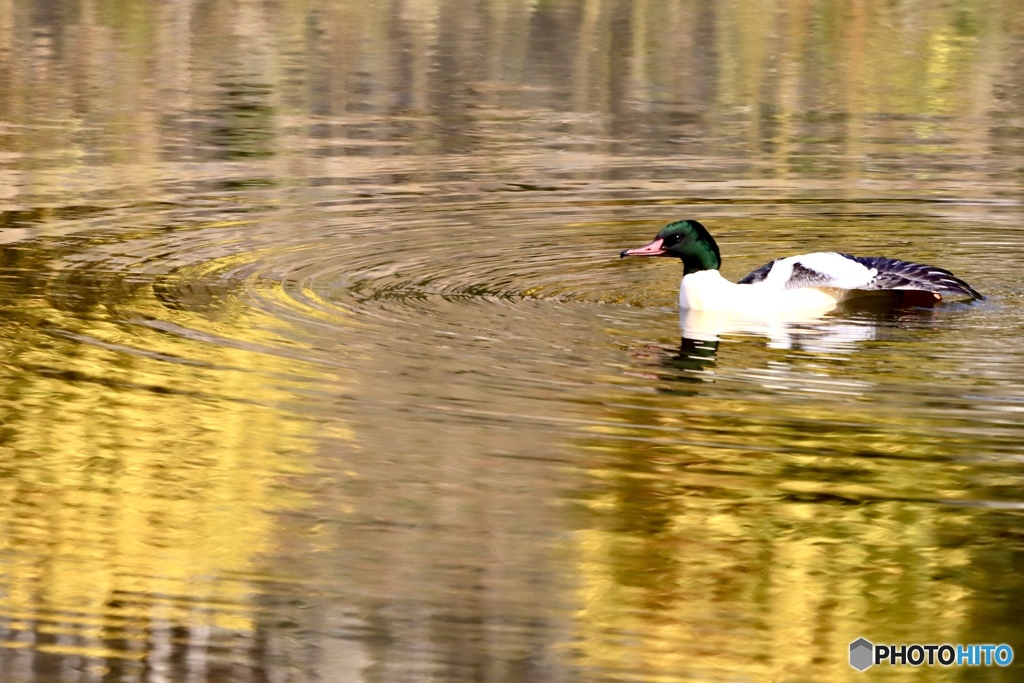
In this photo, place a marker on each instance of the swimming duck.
(810, 281)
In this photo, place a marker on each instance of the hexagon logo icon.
(861, 654)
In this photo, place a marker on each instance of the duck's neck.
(701, 256)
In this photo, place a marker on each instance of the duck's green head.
(686, 240)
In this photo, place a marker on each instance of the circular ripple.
(468, 279)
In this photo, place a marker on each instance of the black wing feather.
(758, 275)
(896, 274)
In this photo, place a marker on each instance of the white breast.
(707, 290)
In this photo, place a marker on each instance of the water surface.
(318, 362)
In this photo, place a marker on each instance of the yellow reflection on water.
(141, 477)
(763, 591)
(142, 471)
(763, 558)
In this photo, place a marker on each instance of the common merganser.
(810, 281)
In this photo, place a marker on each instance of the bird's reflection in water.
(694, 357)
(692, 362)
(805, 330)
(836, 330)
